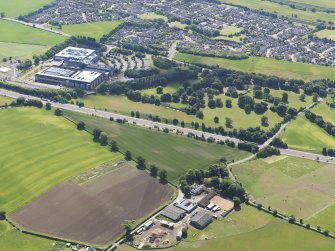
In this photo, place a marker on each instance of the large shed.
(201, 219)
(173, 213)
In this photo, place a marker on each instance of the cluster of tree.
(163, 63)
(318, 119)
(328, 152)
(25, 65)
(217, 176)
(61, 96)
(204, 31)
(267, 152)
(148, 49)
(141, 73)
(123, 51)
(39, 10)
(162, 79)
(248, 104)
(29, 102)
(162, 174)
(248, 146)
(277, 142)
(211, 53)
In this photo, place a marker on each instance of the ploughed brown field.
(95, 211)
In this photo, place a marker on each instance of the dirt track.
(94, 213)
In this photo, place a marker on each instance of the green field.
(13, 240)
(21, 51)
(330, 34)
(281, 9)
(238, 115)
(39, 151)
(324, 219)
(228, 33)
(252, 230)
(95, 30)
(178, 25)
(268, 66)
(303, 135)
(293, 98)
(325, 111)
(275, 236)
(290, 185)
(152, 16)
(122, 105)
(5, 100)
(174, 153)
(321, 3)
(17, 33)
(15, 8)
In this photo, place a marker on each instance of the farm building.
(201, 219)
(206, 200)
(186, 205)
(173, 213)
(167, 224)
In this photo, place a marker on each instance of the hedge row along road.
(147, 123)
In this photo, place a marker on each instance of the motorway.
(131, 120)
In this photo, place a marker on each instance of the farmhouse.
(186, 205)
(201, 219)
(85, 79)
(173, 213)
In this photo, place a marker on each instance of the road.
(307, 155)
(37, 26)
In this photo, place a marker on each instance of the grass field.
(39, 151)
(152, 16)
(303, 135)
(5, 100)
(290, 185)
(121, 105)
(21, 51)
(275, 236)
(293, 98)
(330, 34)
(321, 3)
(13, 240)
(178, 25)
(174, 153)
(266, 66)
(282, 9)
(250, 229)
(17, 33)
(324, 219)
(15, 8)
(325, 111)
(238, 115)
(95, 30)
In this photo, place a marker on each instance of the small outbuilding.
(201, 219)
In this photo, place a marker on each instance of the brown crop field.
(95, 211)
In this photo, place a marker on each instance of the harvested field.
(94, 212)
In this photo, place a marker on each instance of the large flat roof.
(69, 74)
(75, 53)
